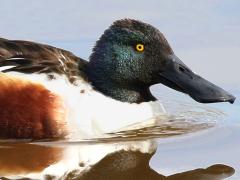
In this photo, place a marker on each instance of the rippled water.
(217, 145)
(193, 144)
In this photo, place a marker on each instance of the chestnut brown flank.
(29, 110)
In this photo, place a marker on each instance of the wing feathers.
(30, 57)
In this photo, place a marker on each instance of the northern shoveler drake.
(47, 92)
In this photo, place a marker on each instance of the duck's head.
(131, 56)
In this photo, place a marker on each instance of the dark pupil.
(139, 47)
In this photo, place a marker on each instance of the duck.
(50, 93)
(47, 92)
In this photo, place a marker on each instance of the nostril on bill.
(181, 69)
(185, 71)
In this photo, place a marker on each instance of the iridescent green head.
(131, 56)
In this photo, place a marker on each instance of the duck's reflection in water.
(23, 158)
(20, 160)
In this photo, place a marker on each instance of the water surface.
(217, 145)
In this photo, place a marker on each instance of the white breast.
(91, 114)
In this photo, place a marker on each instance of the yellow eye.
(140, 47)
